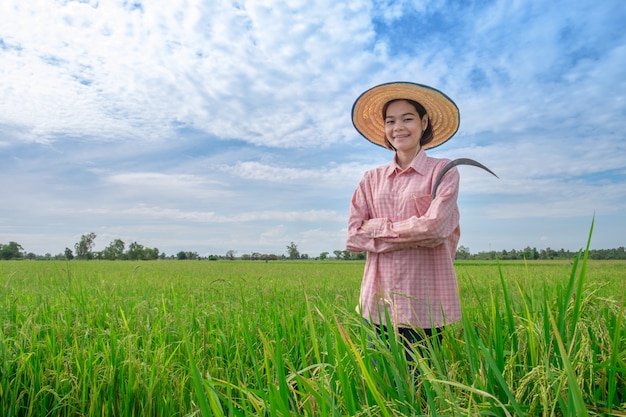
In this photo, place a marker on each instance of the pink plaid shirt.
(410, 241)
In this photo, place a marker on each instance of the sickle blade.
(452, 164)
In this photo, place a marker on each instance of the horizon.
(260, 255)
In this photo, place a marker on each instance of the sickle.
(452, 164)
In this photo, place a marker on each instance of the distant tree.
(323, 255)
(548, 253)
(135, 251)
(150, 254)
(230, 255)
(529, 253)
(462, 253)
(115, 250)
(338, 253)
(12, 250)
(292, 251)
(186, 255)
(68, 254)
(84, 246)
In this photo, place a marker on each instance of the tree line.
(528, 253)
(83, 249)
(117, 250)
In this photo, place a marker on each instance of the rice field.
(235, 338)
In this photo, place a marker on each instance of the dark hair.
(427, 136)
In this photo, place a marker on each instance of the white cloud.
(124, 117)
(330, 176)
(251, 72)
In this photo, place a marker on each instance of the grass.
(281, 339)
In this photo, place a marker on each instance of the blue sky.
(217, 125)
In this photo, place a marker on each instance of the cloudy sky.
(215, 125)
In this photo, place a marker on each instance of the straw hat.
(367, 111)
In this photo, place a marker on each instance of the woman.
(410, 238)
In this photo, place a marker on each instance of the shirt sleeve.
(431, 229)
(366, 238)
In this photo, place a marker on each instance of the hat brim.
(367, 110)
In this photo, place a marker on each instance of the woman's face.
(404, 127)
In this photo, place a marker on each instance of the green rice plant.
(557, 362)
(282, 338)
(212, 405)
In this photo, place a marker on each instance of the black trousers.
(414, 338)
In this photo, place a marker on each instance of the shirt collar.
(418, 164)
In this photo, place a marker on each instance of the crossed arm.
(381, 234)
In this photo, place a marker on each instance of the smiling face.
(404, 127)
